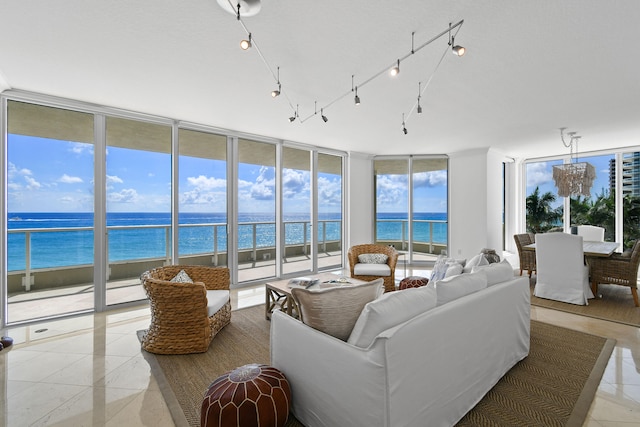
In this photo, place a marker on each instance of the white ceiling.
(530, 68)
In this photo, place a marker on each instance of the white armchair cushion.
(335, 311)
(496, 272)
(362, 269)
(390, 310)
(215, 300)
(455, 287)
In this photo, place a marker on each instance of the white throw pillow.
(474, 262)
(182, 277)
(497, 272)
(455, 287)
(453, 269)
(390, 310)
(335, 310)
(373, 258)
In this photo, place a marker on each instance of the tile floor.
(89, 370)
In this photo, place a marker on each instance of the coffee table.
(278, 292)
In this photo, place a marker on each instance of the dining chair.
(562, 274)
(618, 269)
(591, 232)
(527, 258)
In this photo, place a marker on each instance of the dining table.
(590, 248)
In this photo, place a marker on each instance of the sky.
(540, 174)
(46, 175)
(429, 192)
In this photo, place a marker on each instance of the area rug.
(553, 386)
(613, 303)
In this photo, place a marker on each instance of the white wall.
(475, 202)
(360, 200)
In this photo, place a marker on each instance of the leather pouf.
(413, 282)
(249, 396)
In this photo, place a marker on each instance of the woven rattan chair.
(390, 251)
(179, 320)
(618, 269)
(527, 257)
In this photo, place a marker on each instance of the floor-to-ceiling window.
(412, 188)
(202, 204)
(256, 240)
(50, 211)
(330, 224)
(296, 210)
(630, 188)
(544, 208)
(138, 204)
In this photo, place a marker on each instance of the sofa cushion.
(335, 310)
(373, 258)
(453, 269)
(474, 262)
(390, 310)
(182, 277)
(455, 287)
(215, 300)
(361, 269)
(497, 272)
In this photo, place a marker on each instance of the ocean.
(144, 235)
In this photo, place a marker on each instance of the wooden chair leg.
(634, 292)
(521, 271)
(594, 288)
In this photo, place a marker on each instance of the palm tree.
(541, 216)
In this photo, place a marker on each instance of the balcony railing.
(430, 234)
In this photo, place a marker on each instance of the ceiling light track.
(395, 67)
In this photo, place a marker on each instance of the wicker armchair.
(527, 257)
(618, 269)
(179, 320)
(390, 251)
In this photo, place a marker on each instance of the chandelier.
(573, 178)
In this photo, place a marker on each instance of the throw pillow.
(182, 277)
(439, 269)
(496, 272)
(373, 258)
(475, 261)
(391, 309)
(455, 287)
(335, 311)
(453, 269)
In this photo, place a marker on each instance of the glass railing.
(429, 236)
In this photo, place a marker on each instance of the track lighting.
(276, 92)
(295, 114)
(456, 50)
(246, 44)
(404, 128)
(395, 70)
(357, 98)
(419, 106)
(323, 116)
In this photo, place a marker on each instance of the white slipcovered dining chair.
(591, 233)
(562, 275)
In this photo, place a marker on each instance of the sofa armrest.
(325, 372)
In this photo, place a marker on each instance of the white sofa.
(427, 371)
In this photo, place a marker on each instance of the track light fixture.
(404, 128)
(323, 116)
(357, 98)
(246, 44)
(295, 114)
(276, 92)
(456, 50)
(395, 70)
(419, 106)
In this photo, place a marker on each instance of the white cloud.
(205, 183)
(538, 174)
(81, 148)
(263, 188)
(66, 179)
(329, 192)
(113, 179)
(430, 179)
(392, 190)
(294, 182)
(128, 195)
(32, 184)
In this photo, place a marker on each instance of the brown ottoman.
(413, 282)
(251, 395)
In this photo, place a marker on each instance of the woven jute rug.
(613, 303)
(553, 386)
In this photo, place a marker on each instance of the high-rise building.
(630, 174)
